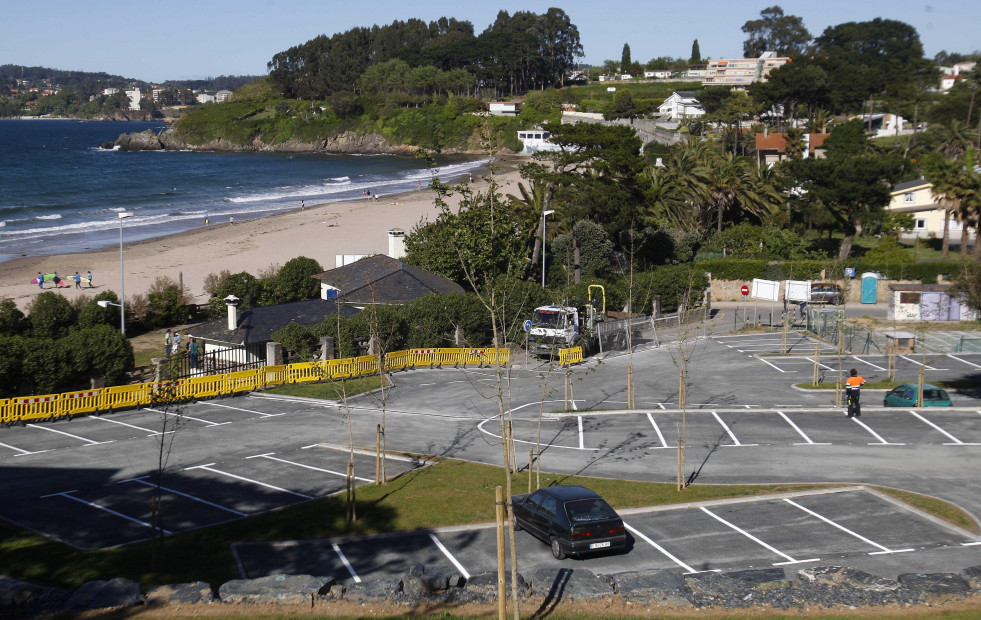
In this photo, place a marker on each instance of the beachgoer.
(374, 197)
(89, 276)
(168, 340)
(471, 177)
(56, 280)
(192, 351)
(302, 205)
(420, 184)
(231, 220)
(40, 280)
(78, 280)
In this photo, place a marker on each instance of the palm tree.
(954, 139)
(943, 175)
(528, 209)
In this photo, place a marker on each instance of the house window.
(909, 197)
(909, 298)
(920, 224)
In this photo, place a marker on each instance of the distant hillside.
(57, 76)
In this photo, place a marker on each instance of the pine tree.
(625, 61)
(696, 54)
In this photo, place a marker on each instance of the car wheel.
(557, 552)
(514, 523)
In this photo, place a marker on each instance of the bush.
(595, 248)
(166, 304)
(298, 339)
(92, 314)
(51, 315)
(100, 351)
(671, 283)
(12, 320)
(889, 251)
(295, 281)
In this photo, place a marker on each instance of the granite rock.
(100, 594)
(281, 589)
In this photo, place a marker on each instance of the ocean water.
(60, 192)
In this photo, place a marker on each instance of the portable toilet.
(870, 288)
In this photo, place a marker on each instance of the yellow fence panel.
(86, 401)
(36, 407)
(571, 356)
(396, 360)
(125, 396)
(6, 411)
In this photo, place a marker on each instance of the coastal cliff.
(345, 142)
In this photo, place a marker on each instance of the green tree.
(51, 315)
(296, 280)
(13, 351)
(92, 314)
(243, 285)
(47, 366)
(625, 61)
(775, 32)
(100, 351)
(595, 248)
(298, 339)
(12, 320)
(166, 303)
(696, 54)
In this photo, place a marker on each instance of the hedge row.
(747, 269)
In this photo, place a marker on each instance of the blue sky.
(180, 39)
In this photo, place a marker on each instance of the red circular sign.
(744, 290)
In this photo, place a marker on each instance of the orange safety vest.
(854, 383)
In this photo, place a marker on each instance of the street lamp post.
(544, 213)
(122, 281)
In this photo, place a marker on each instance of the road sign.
(528, 325)
(744, 290)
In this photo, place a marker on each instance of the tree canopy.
(775, 32)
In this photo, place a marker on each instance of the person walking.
(168, 340)
(177, 343)
(78, 280)
(40, 280)
(192, 352)
(89, 276)
(853, 392)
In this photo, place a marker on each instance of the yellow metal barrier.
(51, 406)
(567, 357)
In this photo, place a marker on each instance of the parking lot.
(94, 508)
(854, 526)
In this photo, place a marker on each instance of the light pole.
(122, 281)
(544, 213)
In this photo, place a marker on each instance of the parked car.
(572, 519)
(905, 396)
(826, 293)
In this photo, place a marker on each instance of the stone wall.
(728, 290)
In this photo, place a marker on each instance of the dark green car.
(905, 396)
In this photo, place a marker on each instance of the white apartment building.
(736, 71)
(134, 98)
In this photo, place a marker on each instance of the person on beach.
(78, 280)
(89, 276)
(168, 340)
(40, 280)
(374, 197)
(302, 205)
(231, 220)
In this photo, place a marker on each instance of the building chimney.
(396, 243)
(232, 302)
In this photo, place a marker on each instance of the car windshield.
(586, 510)
(547, 318)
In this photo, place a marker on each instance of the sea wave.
(56, 216)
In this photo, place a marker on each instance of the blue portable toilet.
(870, 288)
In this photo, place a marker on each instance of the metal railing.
(196, 386)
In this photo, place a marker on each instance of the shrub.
(595, 248)
(888, 251)
(51, 315)
(167, 304)
(298, 339)
(92, 314)
(12, 320)
(98, 351)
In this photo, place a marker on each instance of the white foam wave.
(56, 216)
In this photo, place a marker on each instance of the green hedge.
(747, 269)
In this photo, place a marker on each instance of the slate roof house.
(381, 279)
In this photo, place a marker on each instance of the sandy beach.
(320, 232)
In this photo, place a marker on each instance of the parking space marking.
(660, 437)
(88, 442)
(326, 471)
(810, 442)
(731, 436)
(449, 556)
(181, 415)
(689, 570)
(262, 413)
(857, 358)
(954, 440)
(68, 495)
(882, 442)
(773, 365)
(971, 544)
(347, 565)
(142, 480)
(579, 418)
(824, 366)
(139, 428)
(209, 467)
(928, 367)
(21, 452)
(790, 560)
(882, 550)
(964, 361)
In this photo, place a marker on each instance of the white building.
(917, 199)
(205, 98)
(222, 96)
(535, 140)
(681, 104)
(108, 92)
(505, 108)
(134, 98)
(885, 125)
(656, 75)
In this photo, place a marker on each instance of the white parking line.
(52, 430)
(347, 565)
(579, 417)
(882, 442)
(449, 556)
(21, 452)
(104, 509)
(139, 428)
(326, 471)
(800, 432)
(689, 570)
(773, 365)
(731, 436)
(660, 437)
(263, 414)
(244, 479)
(790, 560)
(142, 480)
(955, 441)
(824, 366)
(919, 363)
(181, 415)
(964, 361)
(857, 358)
(883, 550)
